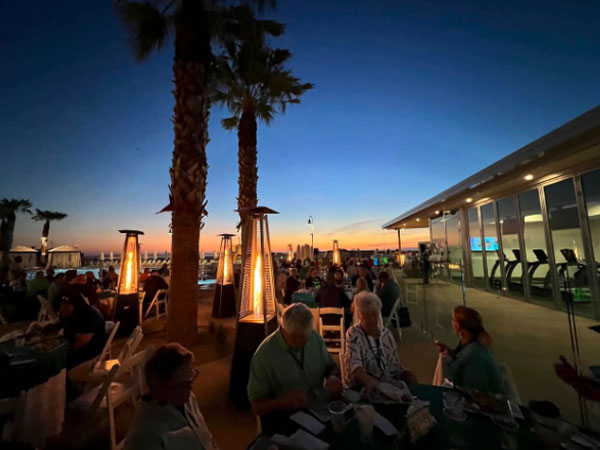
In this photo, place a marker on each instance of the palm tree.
(8, 216)
(254, 85)
(47, 217)
(197, 25)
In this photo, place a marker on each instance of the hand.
(566, 372)
(295, 399)
(371, 385)
(442, 348)
(334, 385)
(408, 377)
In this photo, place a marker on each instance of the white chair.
(393, 318)
(46, 313)
(104, 356)
(110, 394)
(508, 383)
(333, 344)
(103, 366)
(160, 298)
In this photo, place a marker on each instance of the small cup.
(365, 415)
(337, 411)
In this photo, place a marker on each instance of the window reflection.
(490, 242)
(475, 248)
(454, 246)
(532, 223)
(591, 195)
(568, 245)
(509, 232)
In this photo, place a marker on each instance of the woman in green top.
(471, 364)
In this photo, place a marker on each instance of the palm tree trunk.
(9, 232)
(4, 248)
(248, 171)
(189, 170)
(46, 230)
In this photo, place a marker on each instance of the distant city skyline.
(409, 99)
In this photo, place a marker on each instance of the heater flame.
(257, 289)
(226, 266)
(129, 272)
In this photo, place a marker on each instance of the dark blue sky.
(410, 97)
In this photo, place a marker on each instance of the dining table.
(33, 388)
(476, 432)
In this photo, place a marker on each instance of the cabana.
(64, 256)
(28, 255)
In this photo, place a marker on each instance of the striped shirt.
(378, 356)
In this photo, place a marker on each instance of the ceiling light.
(437, 211)
(528, 177)
(418, 219)
(469, 200)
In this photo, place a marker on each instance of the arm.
(81, 339)
(586, 387)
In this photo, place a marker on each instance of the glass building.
(524, 235)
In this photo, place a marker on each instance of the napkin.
(308, 422)
(307, 441)
(385, 425)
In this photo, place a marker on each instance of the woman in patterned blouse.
(371, 355)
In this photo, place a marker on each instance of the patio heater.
(127, 302)
(290, 256)
(336, 253)
(224, 298)
(257, 314)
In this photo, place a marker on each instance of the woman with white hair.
(371, 355)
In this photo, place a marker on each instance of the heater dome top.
(131, 231)
(261, 210)
(226, 235)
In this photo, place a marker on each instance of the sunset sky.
(410, 98)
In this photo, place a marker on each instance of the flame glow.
(129, 272)
(257, 289)
(226, 265)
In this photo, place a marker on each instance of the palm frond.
(230, 123)
(41, 215)
(147, 27)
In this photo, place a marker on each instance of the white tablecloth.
(40, 413)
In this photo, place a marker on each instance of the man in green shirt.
(291, 364)
(388, 292)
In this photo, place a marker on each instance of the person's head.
(297, 325)
(312, 272)
(362, 285)
(362, 271)
(111, 269)
(39, 275)
(50, 272)
(154, 273)
(468, 324)
(60, 278)
(384, 277)
(164, 268)
(90, 275)
(294, 273)
(70, 275)
(70, 302)
(330, 279)
(339, 275)
(147, 270)
(18, 259)
(368, 307)
(170, 374)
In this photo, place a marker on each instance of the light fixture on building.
(257, 314)
(469, 200)
(418, 220)
(224, 298)
(335, 256)
(437, 212)
(127, 302)
(528, 177)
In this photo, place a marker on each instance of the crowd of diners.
(292, 366)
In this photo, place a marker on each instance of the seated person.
(169, 417)
(339, 276)
(110, 279)
(292, 284)
(471, 364)
(154, 283)
(145, 275)
(55, 291)
(330, 295)
(313, 280)
(388, 292)
(37, 286)
(587, 387)
(371, 355)
(291, 365)
(83, 285)
(364, 273)
(17, 276)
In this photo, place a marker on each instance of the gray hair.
(297, 319)
(367, 302)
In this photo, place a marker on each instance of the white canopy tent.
(64, 256)
(28, 255)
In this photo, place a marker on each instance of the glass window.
(509, 232)
(536, 252)
(591, 195)
(571, 269)
(490, 242)
(476, 248)
(454, 248)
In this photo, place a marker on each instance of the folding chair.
(102, 366)
(160, 298)
(393, 317)
(333, 344)
(46, 313)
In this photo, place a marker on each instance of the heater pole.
(262, 273)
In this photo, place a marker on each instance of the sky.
(410, 98)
